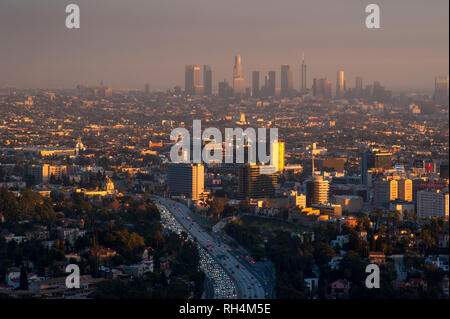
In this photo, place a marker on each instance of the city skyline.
(41, 53)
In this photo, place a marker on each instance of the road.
(223, 286)
(247, 285)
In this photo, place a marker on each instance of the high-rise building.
(186, 179)
(432, 203)
(340, 84)
(405, 189)
(385, 191)
(207, 80)
(322, 89)
(147, 89)
(287, 84)
(441, 89)
(358, 87)
(191, 79)
(277, 154)
(238, 79)
(303, 83)
(374, 159)
(255, 184)
(225, 90)
(255, 83)
(270, 84)
(317, 190)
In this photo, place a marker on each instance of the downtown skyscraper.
(255, 83)
(192, 79)
(238, 79)
(303, 84)
(286, 80)
(340, 84)
(207, 79)
(270, 84)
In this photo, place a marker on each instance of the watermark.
(73, 279)
(373, 279)
(73, 17)
(373, 19)
(207, 147)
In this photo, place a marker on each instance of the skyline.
(40, 53)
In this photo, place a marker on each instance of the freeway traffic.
(248, 286)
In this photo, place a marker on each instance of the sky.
(129, 43)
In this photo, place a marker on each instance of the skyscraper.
(238, 79)
(186, 179)
(303, 83)
(432, 204)
(405, 189)
(224, 89)
(322, 89)
(192, 79)
(254, 184)
(340, 84)
(277, 154)
(385, 191)
(286, 80)
(270, 84)
(255, 83)
(374, 159)
(317, 190)
(358, 86)
(207, 79)
(441, 89)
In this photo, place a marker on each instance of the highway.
(247, 285)
(222, 284)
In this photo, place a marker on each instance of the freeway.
(247, 285)
(223, 286)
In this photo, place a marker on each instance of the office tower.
(254, 184)
(303, 84)
(441, 89)
(186, 179)
(147, 89)
(371, 161)
(255, 83)
(225, 89)
(374, 159)
(385, 191)
(286, 80)
(238, 79)
(192, 79)
(102, 91)
(321, 89)
(340, 84)
(405, 190)
(358, 86)
(270, 84)
(277, 154)
(364, 165)
(378, 91)
(207, 80)
(317, 190)
(432, 203)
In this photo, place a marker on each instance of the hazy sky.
(127, 43)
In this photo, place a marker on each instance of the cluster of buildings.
(321, 87)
